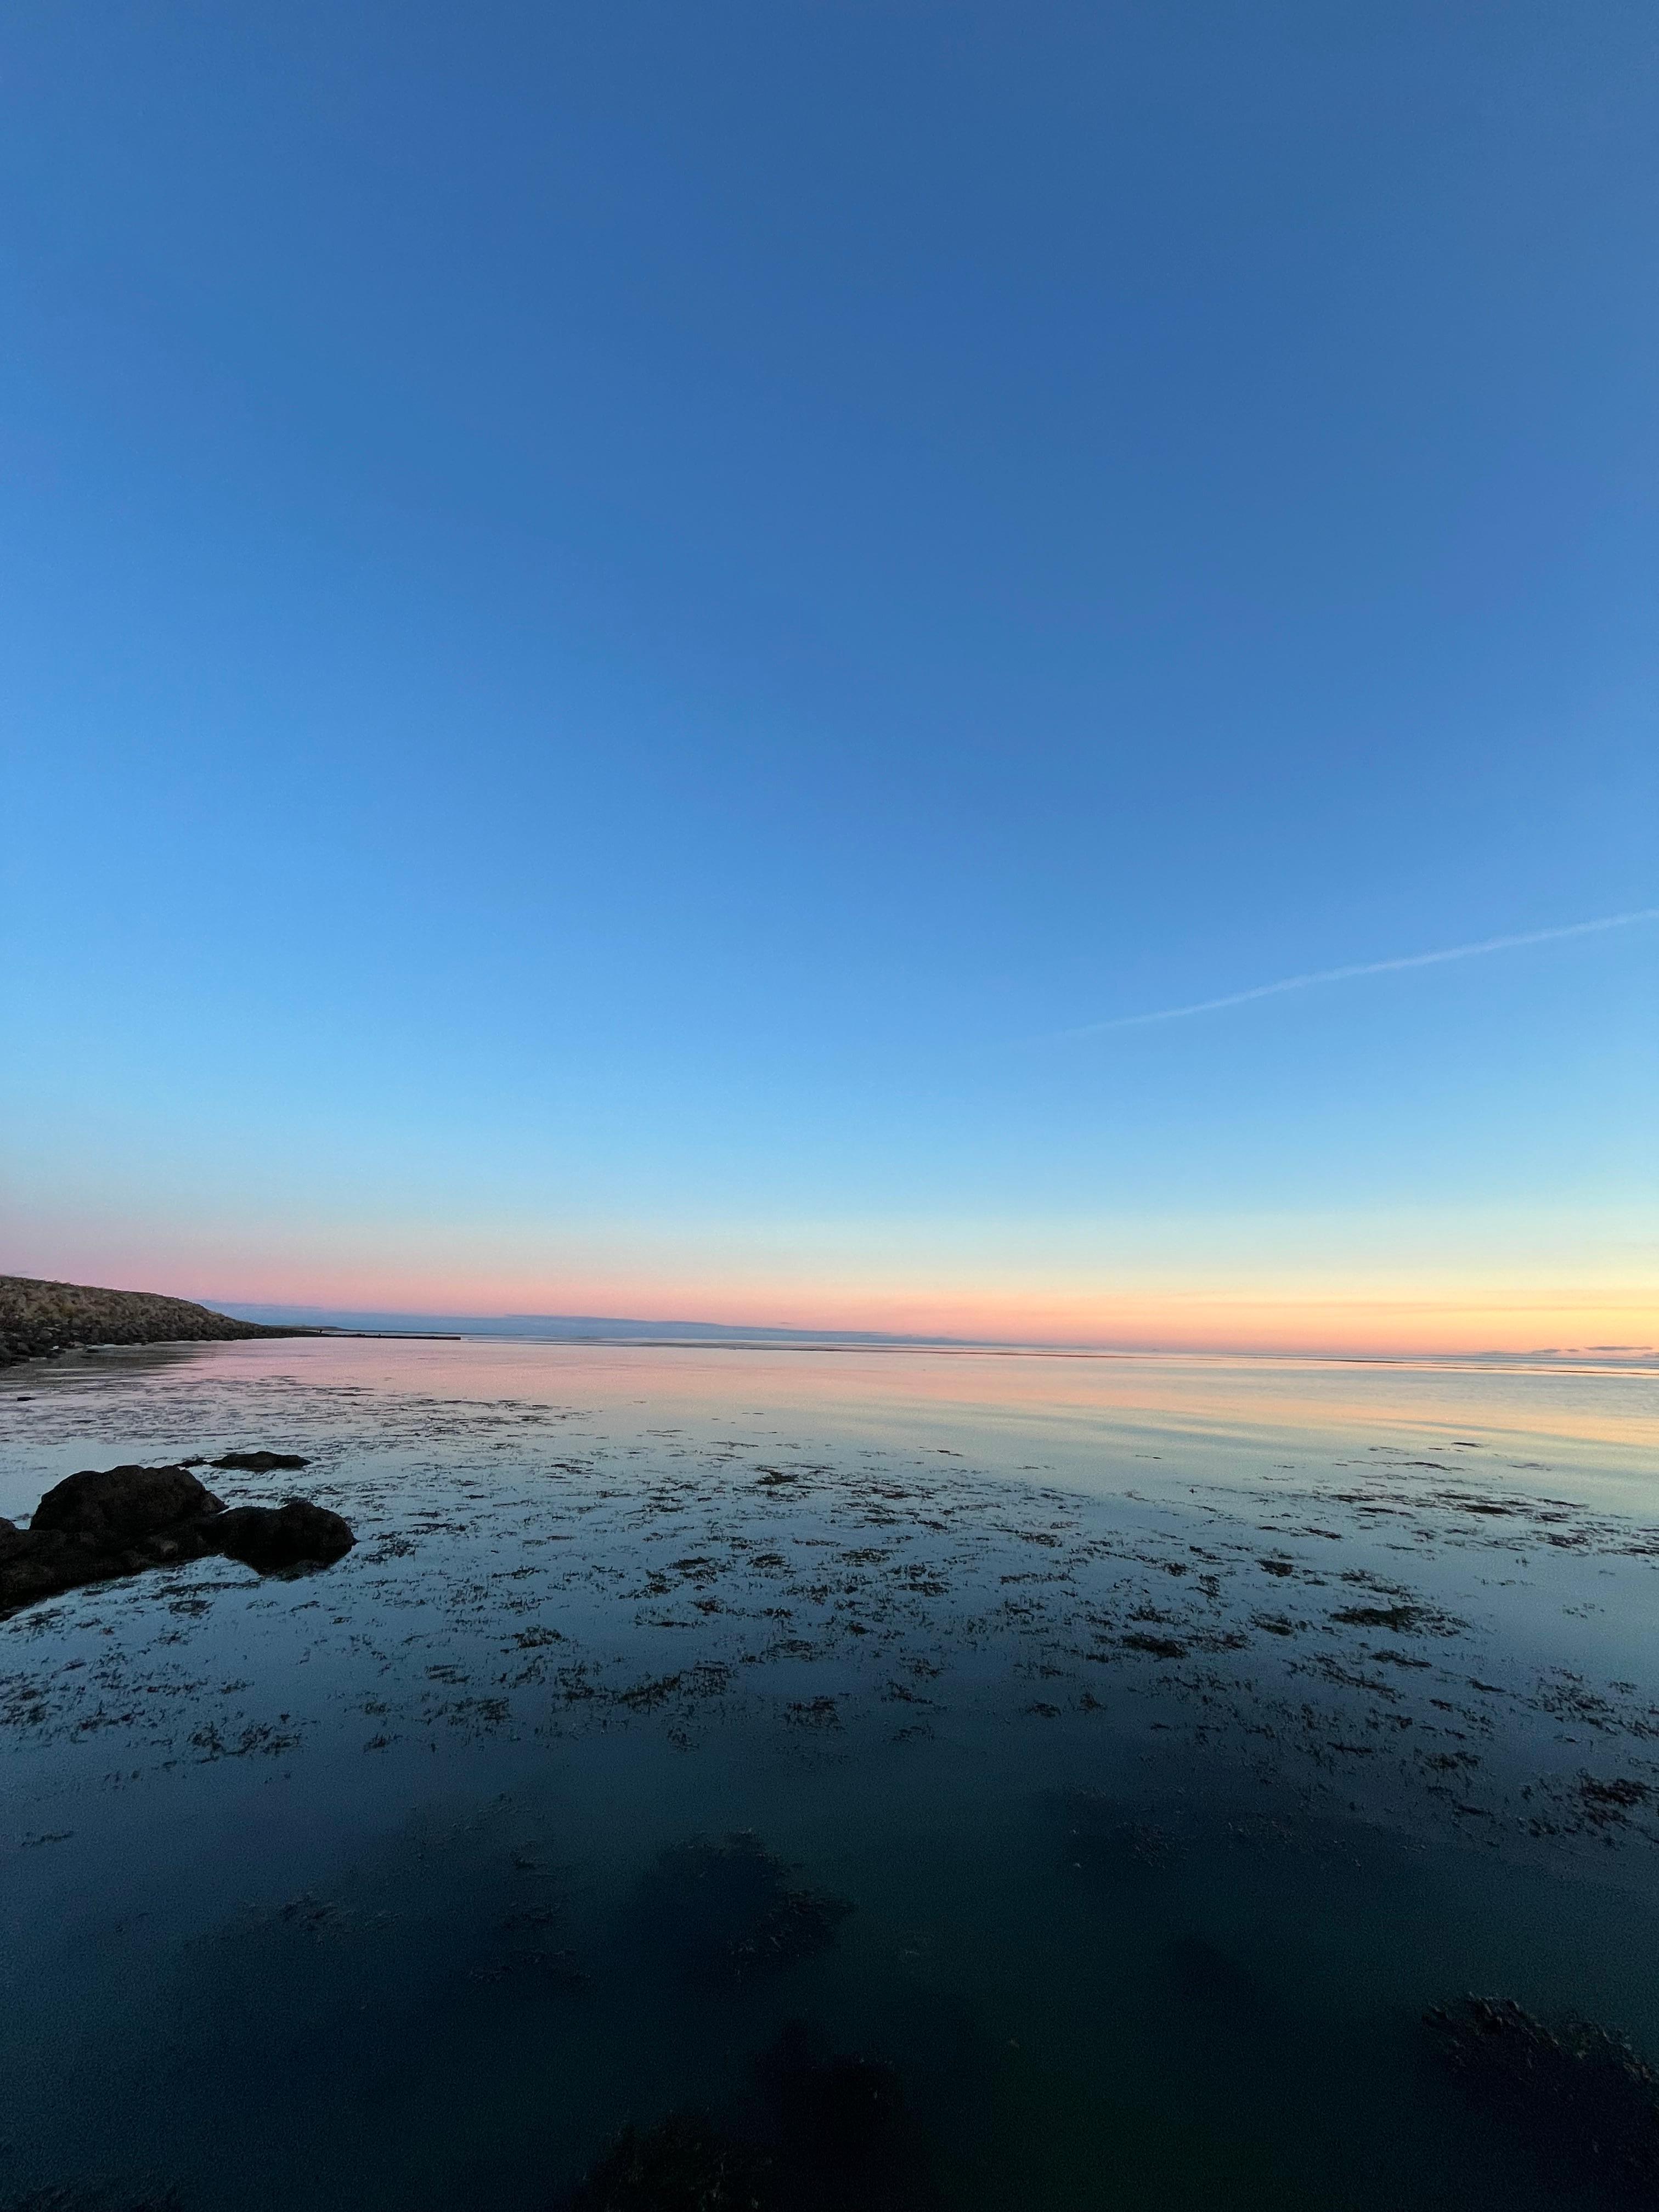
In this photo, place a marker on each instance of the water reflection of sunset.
(1082, 1417)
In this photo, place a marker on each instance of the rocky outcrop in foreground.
(106, 1522)
(38, 1319)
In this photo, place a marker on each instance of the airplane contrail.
(1365, 968)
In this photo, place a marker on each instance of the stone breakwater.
(106, 1522)
(39, 1320)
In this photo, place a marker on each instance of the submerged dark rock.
(1580, 2096)
(727, 1912)
(844, 2133)
(106, 1522)
(1206, 1976)
(684, 2164)
(829, 2132)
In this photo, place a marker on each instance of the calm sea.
(1120, 1754)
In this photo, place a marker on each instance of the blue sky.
(617, 616)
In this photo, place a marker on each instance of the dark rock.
(1579, 2096)
(25, 1576)
(117, 1505)
(43, 1565)
(105, 1523)
(272, 1537)
(260, 1462)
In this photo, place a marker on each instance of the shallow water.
(1167, 1734)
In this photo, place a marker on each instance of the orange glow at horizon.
(1494, 1288)
(1348, 1320)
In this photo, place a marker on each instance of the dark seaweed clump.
(830, 2133)
(1582, 2099)
(1104, 1847)
(728, 1912)
(100, 2198)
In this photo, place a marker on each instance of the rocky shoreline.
(39, 1320)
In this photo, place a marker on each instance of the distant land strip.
(589, 1328)
(39, 1320)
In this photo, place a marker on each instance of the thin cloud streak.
(1366, 967)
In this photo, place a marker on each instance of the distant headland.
(38, 1320)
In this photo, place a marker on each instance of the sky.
(701, 662)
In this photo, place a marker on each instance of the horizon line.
(733, 1336)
